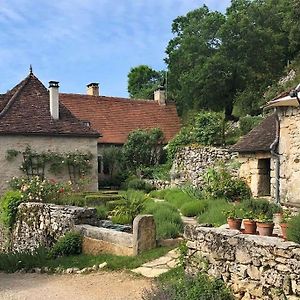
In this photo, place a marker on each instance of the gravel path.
(96, 286)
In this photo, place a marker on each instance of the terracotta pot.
(283, 226)
(234, 223)
(250, 226)
(265, 229)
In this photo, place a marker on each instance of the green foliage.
(143, 81)
(159, 194)
(233, 213)
(217, 61)
(167, 219)
(218, 182)
(122, 219)
(247, 123)
(177, 197)
(9, 203)
(214, 213)
(133, 205)
(159, 172)
(102, 212)
(293, 229)
(69, 244)
(112, 158)
(140, 185)
(260, 206)
(194, 208)
(143, 148)
(37, 190)
(176, 285)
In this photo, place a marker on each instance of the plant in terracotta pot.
(233, 218)
(265, 224)
(249, 222)
(284, 222)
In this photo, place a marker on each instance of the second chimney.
(160, 96)
(54, 99)
(93, 89)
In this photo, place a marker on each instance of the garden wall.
(192, 161)
(3, 238)
(42, 224)
(254, 267)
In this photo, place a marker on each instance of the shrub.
(293, 230)
(75, 199)
(214, 213)
(132, 206)
(260, 206)
(122, 219)
(218, 182)
(69, 244)
(177, 197)
(194, 208)
(140, 185)
(9, 203)
(167, 219)
(159, 194)
(181, 287)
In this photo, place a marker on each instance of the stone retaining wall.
(41, 224)
(254, 267)
(3, 238)
(192, 161)
(97, 240)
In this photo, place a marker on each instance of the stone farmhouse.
(46, 120)
(269, 154)
(116, 117)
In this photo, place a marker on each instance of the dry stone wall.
(254, 267)
(40, 224)
(191, 162)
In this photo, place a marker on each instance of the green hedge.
(194, 208)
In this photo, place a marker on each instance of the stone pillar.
(144, 233)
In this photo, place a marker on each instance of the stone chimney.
(93, 89)
(54, 99)
(160, 95)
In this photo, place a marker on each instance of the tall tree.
(143, 81)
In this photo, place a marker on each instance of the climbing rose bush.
(37, 190)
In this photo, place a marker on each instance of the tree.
(112, 159)
(143, 81)
(143, 148)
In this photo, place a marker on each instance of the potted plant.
(284, 223)
(265, 225)
(249, 222)
(233, 219)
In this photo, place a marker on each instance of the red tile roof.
(25, 110)
(115, 118)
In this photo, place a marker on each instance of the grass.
(214, 213)
(12, 262)
(177, 197)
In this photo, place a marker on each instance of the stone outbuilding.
(33, 116)
(269, 154)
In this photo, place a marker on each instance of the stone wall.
(289, 149)
(3, 238)
(40, 224)
(253, 267)
(41, 144)
(192, 161)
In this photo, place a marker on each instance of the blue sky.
(81, 41)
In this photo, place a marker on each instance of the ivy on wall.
(77, 163)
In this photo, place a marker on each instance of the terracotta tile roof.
(25, 110)
(259, 138)
(115, 118)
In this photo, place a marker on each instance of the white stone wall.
(42, 144)
(289, 150)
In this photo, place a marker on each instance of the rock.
(253, 272)
(103, 265)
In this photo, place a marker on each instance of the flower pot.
(283, 226)
(265, 229)
(250, 226)
(234, 223)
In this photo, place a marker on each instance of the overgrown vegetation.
(194, 208)
(293, 229)
(176, 285)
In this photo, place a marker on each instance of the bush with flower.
(37, 190)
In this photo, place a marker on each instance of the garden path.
(94, 286)
(160, 265)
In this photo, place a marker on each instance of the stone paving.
(160, 265)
